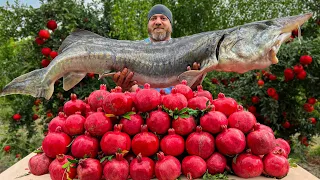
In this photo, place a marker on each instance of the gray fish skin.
(161, 64)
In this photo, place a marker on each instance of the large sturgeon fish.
(161, 64)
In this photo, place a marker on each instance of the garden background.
(284, 96)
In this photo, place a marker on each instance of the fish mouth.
(288, 24)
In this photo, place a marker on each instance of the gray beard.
(159, 36)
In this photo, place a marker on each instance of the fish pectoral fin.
(190, 76)
(106, 75)
(71, 79)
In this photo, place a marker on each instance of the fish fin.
(71, 79)
(30, 84)
(77, 36)
(190, 76)
(106, 75)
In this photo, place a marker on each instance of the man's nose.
(158, 22)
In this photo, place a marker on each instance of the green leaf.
(208, 176)
(66, 165)
(184, 110)
(175, 116)
(128, 114)
(106, 157)
(184, 115)
(73, 160)
(38, 151)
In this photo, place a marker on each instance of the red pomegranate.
(45, 63)
(216, 163)
(52, 24)
(74, 105)
(275, 164)
(184, 89)
(226, 105)
(305, 59)
(132, 126)
(114, 140)
(288, 74)
(147, 99)
(96, 98)
(198, 102)
(201, 92)
(230, 141)
(247, 165)
(44, 34)
(193, 167)
(145, 142)
(57, 172)
(56, 143)
(212, 121)
(142, 168)
(89, 169)
(39, 164)
(97, 124)
(260, 141)
(53, 54)
(174, 100)
(172, 144)
(200, 143)
(279, 142)
(116, 169)
(117, 103)
(85, 146)
(242, 120)
(167, 167)
(57, 121)
(74, 124)
(184, 126)
(46, 51)
(158, 121)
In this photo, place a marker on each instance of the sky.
(33, 3)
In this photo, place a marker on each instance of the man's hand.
(123, 79)
(195, 66)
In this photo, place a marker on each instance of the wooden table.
(21, 168)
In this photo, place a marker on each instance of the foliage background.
(127, 20)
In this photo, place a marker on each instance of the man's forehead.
(159, 15)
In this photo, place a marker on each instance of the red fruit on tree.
(35, 116)
(308, 107)
(16, 117)
(7, 148)
(313, 120)
(46, 51)
(53, 54)
(44, 34)
(302, 75)
(286, 125)
(45, 63)
(305, 59)
(297, 68)
(215, 81)
(52, 24)
(271, 92)
(90, 75)
(37, 102)
(39, 41)
(255, 99)
(312, 100)
(252, 109)
(260, 82)
(288, 74)
(272, 77)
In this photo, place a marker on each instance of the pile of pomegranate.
(149, 134)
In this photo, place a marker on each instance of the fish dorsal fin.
(106, 74)
(75, 36)
(190, 76)
(71, 79)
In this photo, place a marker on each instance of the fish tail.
(30, 84)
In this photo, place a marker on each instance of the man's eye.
(164, 18)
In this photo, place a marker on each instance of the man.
(159, 29)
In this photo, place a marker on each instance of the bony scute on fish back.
(239, 49)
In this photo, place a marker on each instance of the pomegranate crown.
(103, 87)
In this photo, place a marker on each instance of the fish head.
(255, 45)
